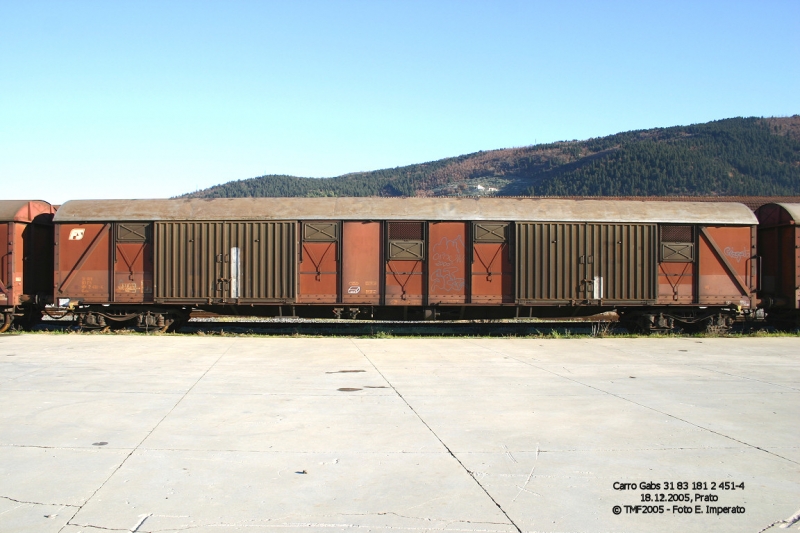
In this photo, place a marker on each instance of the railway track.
(204, 322)
(376, 329)
(211, 323)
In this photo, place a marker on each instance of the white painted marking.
(789, 522)
(142, 518)
(598, 288)
(236, 271)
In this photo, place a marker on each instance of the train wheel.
(647, 323)
(91, 322)
(719, 324)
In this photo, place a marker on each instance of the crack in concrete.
(350, 452)
(37, 503)
(590, 450)
(326, 525)
(446, 447)
(96, 527)
(311, 525)
(644, 406)
(91, 391)
(94, 449)
(69, 522)
(523, 488)
(447, 521)
(785, 524)
(747, 378)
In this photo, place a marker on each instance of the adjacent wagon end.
(26, 274)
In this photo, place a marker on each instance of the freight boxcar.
(779, 250)
(26, 273)
(659, 264)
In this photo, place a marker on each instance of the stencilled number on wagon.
(88, 284)
(76, 234)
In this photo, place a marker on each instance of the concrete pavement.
(190, 433)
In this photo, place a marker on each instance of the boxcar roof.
(498, 209)
(793, 210)
(22, 210)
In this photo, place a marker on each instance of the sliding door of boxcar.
(550, 262)
(620, 263)
(216, 262)
(261, 261)
(587, 263)
(189, 261)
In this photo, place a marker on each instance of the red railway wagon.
(779, 250)
(657, 263)
(26, 275)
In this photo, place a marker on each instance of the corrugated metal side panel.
(622, 261)
(268, 259)
(185, 260)
(252, 261)
(547, 261)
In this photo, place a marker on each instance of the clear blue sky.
(137, 99)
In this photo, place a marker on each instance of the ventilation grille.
(405, 231)
(129, 232)
(677, 234)
(320, 232)
(489, 232)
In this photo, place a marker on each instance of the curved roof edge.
(370, 208)
(793, 210)
(769, 216)
(23, 210)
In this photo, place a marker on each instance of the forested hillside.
(732, 157)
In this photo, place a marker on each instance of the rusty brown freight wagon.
(26, 274)
(779, 250)
(657, 263)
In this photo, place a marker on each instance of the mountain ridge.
(729, 157)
